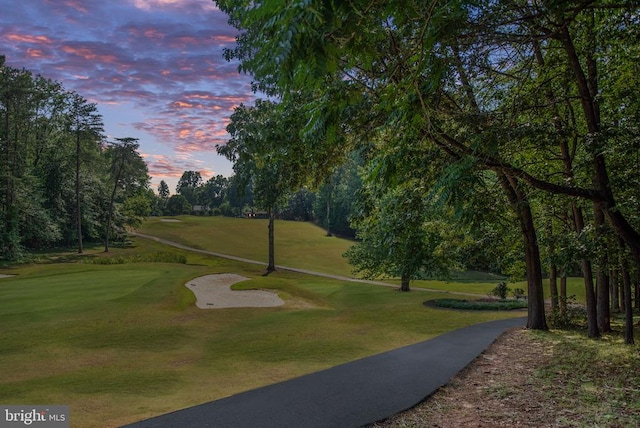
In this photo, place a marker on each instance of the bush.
(574, 317)
(519, 294)
(501, 290)
(477, 305)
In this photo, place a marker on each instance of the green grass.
(596, 381)
(124, 341)
(297, 244)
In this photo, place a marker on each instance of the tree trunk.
(602, 294)
(628, 307)
(587, 273)
(536, 313)
(112, 200)
(404, 283)
(553, 287)
(329, 234)
(602, 282)
(271, 267)
(553, 269)
(563, 294)
(109, 217)
(615, 291)
(78, 205)
(637, 291)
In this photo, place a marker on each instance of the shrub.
(478, 305)
(519, 294)
(574, 317)
(501, 290)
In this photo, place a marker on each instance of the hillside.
(297, 244)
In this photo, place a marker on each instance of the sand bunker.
(214, 292)
(170, 220)
(5, 276)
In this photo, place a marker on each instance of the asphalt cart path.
(349, 395)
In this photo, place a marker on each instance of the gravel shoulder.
(495, 390)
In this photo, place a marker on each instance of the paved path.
(349, 395)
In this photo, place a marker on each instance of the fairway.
(119, 340)
(297, 244)
(68, 289)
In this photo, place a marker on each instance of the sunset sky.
(154, 68)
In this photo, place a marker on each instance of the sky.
(155, 69)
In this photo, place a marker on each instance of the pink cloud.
(163, 58)
(166, 167)
(88, 52)
(27, 38)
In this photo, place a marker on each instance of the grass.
(598, 377)
(297, 244)
(118, 338)
(305, 246)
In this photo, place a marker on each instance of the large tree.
(265, 151)
(127, 176)
(189, 186)
(85, 124)
(398, 236)
(461, 73)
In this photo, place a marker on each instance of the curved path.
(349, 395)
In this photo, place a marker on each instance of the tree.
(462, 74)
(177, 205)
(163, 190)
(239, 194)
(188, 186)
(127, 174)
(262, 148)
(163, 195)
(214, 191)
(396, 237)
(85, 124)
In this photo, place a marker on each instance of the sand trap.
(5, 276)
(170, 220)
(214, 292)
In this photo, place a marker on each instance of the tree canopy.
(529, 92)
(54, 169)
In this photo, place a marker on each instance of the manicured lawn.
(297, 244)
(123, 342)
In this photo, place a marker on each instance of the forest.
(61, 181)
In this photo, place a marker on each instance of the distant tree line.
(61, 182)
(331, 205)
